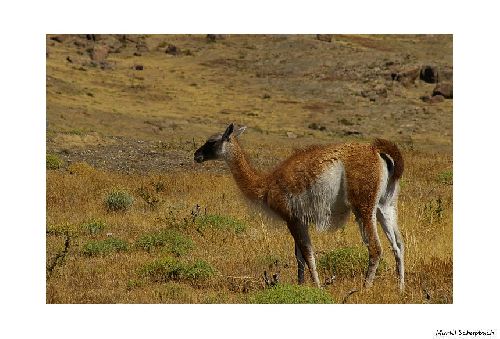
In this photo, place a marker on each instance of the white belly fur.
(325, 202)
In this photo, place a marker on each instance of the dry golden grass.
(239, 258)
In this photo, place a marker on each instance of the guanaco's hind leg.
(387, 216)
(304, 252)
(368, 228)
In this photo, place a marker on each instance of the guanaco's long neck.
(251, 182)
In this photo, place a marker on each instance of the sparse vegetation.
(171, 240)
(445, 177)
(291, 294)
(94, 226)
(118, 201)
(347, 262)
(53, 162)
(104, 247)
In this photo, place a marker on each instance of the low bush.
(93, 226)
(175, 242)
(291, 294)
(53, 162)
(347, 262)
(445, 177)
(118, 201)
(103, 247)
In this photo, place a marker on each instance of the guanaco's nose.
(198, 157)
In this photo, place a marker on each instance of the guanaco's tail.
(388, 148)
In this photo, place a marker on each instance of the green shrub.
(347, 262)
(118, 201)
(94, 226)
(220, 222)
(61, 229)
(445, 177)
(173, 269)
(104, 247)
(175, 242)
(291, 294)
(53, 162)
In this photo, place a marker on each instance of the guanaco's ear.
(239, 131)
(228, 132)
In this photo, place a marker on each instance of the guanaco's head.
(216, 146)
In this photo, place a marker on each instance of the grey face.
(211, 150)
(214, 147)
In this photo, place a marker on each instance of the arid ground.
(132, 219)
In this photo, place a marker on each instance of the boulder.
(381, 90)
(215, 37)
(98, 56)
(172, 50)
(445, 89)
(141, 46)
(432, 99)
(367, 93)
(429, 74)
(446, 74)
(80, 43)
(99, 53)
(407, 76)
(425, 98)
(316, 126)
(352, 132)
(436, 98)
(59, 38)
(378, 91)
